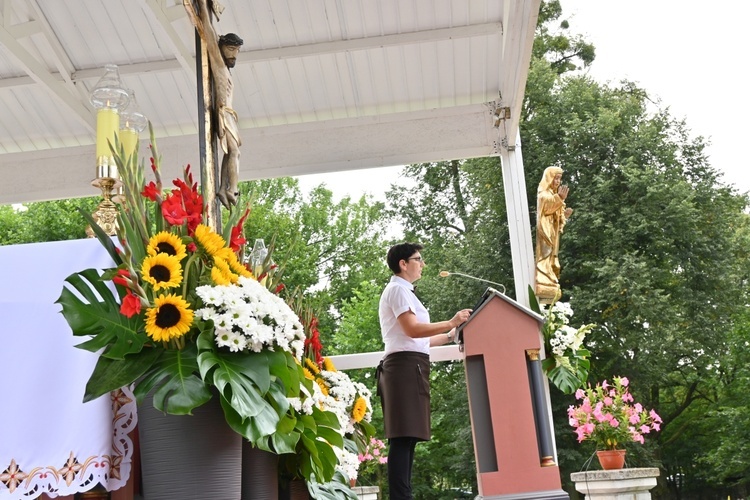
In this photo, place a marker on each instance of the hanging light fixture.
(108, 96)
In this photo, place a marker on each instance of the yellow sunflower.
(170, 318)
(234, 263)
(328, 365)
(162, 271)
(323, 387)
(312, 366)
(209, 241)
(308, 374)
(168, 243)
(221, 274)
(359, 409)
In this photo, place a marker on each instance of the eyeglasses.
(418, 259)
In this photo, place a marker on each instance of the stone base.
(530, 495)
(367, 492)
(620, 484)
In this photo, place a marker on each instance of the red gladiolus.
(279, 288)
(150, 191)
(192, 202)
(236, 240)
(131, 305)
(313, 344)
(172, 210)
(119, 278)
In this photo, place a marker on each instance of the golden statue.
(551, 216)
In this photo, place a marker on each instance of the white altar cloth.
(51, 442)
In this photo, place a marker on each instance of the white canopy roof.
(320, 85)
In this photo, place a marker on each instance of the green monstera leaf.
(95, 310)
(111, 374)
(175, 382)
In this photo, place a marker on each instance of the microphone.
(445, 274)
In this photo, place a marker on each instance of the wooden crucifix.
(216, 55)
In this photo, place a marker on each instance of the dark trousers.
(400, 461)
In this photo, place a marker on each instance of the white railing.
(371, 359)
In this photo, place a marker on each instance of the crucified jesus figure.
(222, 56)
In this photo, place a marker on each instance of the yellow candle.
(129, 140)
(107, 124)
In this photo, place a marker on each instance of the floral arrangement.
(183, 319)
(567, 364)
(372, 457)
(609, 417)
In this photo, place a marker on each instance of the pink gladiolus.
(624, 381)
(645, 429)
(605, 385)
(607, 401)
(656, 427)
(638, 407)
(639, 438)
(614, 423)
(580, 394)
(588, 428)
(634, 418)
(654, 416)
(573, 422)
(627, 397)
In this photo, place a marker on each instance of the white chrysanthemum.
(348, 462)
(261, 319)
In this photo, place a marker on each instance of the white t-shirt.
(397, 298)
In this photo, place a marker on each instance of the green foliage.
(44, 221)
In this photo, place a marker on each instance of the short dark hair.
(400, 252)
(230, 39)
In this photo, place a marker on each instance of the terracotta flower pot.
(611, 459)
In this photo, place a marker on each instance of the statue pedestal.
(619, 484)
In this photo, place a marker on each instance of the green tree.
(45, 221)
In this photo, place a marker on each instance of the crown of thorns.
(231, 39)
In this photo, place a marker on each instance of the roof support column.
(519, 223)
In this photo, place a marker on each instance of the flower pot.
(260, 474)
(611, 459)
(352, 483)
(189, 456)
(295, 489)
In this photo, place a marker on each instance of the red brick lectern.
(507, 401)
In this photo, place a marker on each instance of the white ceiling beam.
(39, 73)
(518, 43)
(22, 30)
(164, 18)
(367, 142)
(285, 52)
(86, 74)
(61, 60)
(410, 38)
